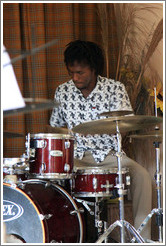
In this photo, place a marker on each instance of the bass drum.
(37, 211)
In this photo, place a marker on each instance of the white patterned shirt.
(74, 109)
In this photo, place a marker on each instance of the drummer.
(82, 99)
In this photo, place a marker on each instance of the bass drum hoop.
(67, 195)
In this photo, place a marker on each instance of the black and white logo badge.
(11, 210)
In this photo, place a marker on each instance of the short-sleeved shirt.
(74, 109)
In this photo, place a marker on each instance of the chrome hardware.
(66, 167)
(99, 223)
(45, 216)
(27, 145)
(85, 203)
(107, 186)
(21, 186)
(67, 145)
(47, 184)
(43, 166)
(127, 180)
(40, 144)
(80, 210)
(32, 152)
(94, 183)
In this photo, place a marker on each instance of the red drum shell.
(54, 158)
(94, 183)
(48, 210)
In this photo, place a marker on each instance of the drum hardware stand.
(121, 223)
(85, 204)
(100, 224)
(157, 177)
(27, 146)
(158, 211)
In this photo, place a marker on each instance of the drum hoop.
(51, 135)
(92, 194)
(31, 201)
(100, 171)
(67, 195)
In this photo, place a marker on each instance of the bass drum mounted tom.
(51, 156)
(37, 211)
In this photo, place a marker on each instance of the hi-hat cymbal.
(156, 134)
(32, 104)
(8, 134)
(108, 125)
(117, 113)
(62, 130)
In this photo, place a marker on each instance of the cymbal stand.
(158, 211)
(120, 186)
(159, 218)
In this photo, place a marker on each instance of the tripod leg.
(126, 224)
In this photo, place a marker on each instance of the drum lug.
(95, 183)
(66, 167)
(45, 216)
(43, 166)
(67, 145)
(47, 184)
(21, 186)
(80, 210)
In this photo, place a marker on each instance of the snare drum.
(51, 156)
(15, 169)
(37, 211)
(97, 182)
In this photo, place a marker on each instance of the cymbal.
(62, 130)
(108, 125)
(157, 134)
(32, 104)
(8, 134)
(117, 113)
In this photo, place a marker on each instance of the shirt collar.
(99, 82)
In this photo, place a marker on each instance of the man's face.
(82, 76)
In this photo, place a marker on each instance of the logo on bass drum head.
(11, 210)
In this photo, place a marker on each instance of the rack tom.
(51, 156)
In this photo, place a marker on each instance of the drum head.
(58, 221)
(21, 216)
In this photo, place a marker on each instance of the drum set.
(45, 195)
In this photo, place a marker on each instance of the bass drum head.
(62, 222)
(21, 216)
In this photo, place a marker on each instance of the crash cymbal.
(108, 125)
(50, 129)
(156, 134)
(117, 113)
(32, 105)
(8, 134)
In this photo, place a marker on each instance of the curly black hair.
(85, 52)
